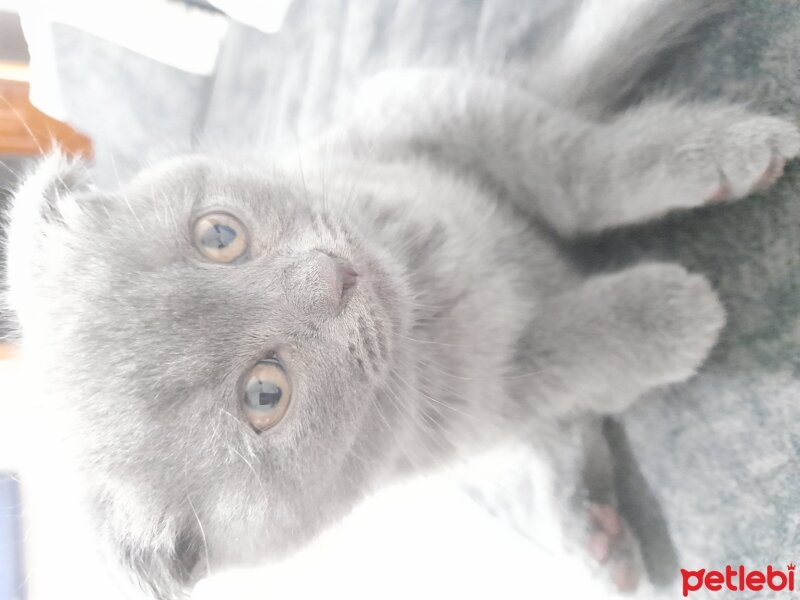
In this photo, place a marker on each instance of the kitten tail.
(609, 46)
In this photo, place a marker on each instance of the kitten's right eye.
(267, 394)
(220, 237)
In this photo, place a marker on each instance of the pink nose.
(318, 282)
(345, 273)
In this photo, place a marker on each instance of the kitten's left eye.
(267, 394)
(220, 237)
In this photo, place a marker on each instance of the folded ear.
(40, 206)
(54, 179)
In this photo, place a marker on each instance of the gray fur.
(468, 323)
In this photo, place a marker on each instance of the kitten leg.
(579, 176)
(608, 537)
(583, 485)
(665, 155)
(597, 349)
(600, 347)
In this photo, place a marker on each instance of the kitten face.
(149, 344)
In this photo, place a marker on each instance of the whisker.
(9, 169)
(434, 342)
(24, 123)
(300, 164)
(122, 192)
(500, 376)
(202, 534)
(252, 469)
(431, 398)
(421, 422)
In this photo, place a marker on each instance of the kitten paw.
(747, 155)
(671, 155)
(634, 330)
(663, 322)
(678, 316)
(613, 545)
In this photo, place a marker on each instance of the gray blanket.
(718, 453)
(721, 451)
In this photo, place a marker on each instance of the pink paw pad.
(771, 175)
(612, 544)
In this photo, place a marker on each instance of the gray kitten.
(247, 348)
